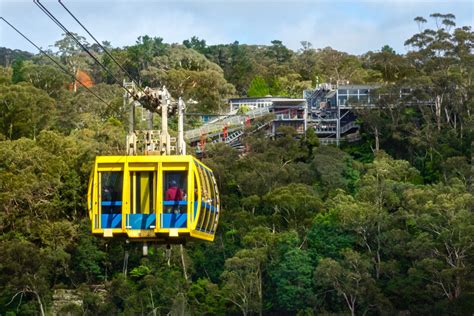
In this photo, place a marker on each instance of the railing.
(328, 141)
(326, 130)
(348, 126)
(229, 121)
(234, 136)
(353, 137)
(233, 139)
(333, 129)
(289, 117)
(333, 141)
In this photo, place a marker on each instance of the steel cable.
(54, 61)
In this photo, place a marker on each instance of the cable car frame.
(139, 210)
(154, 195)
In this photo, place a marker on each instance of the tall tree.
(71, 54)
(26, 111)
(351, 278)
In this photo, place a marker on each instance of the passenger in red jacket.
(174, 193)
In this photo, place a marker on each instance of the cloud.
(360, 27)
(352, 26)
(174, 26)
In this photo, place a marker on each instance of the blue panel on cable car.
(141, 221)
(174, 220)
(111, 221)
(208, 206)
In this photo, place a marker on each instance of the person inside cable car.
(175, 194)
(206, 198)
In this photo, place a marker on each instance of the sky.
(351, 26)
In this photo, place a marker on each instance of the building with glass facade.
(331, 110)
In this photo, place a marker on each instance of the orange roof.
(83, 77)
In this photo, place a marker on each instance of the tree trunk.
(152, 302)
(457, 289)
(38, 298)
(377, 142)
(438, 101)
(448, 117)
(181, 249)
(350, 301)
(379, 247)
(74, 83)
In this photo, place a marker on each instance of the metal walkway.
(233, 123)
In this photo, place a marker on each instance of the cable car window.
(142, 194)
(175, 191)
(211, 187)
(111, 192)
(205, 193)
(196, 198)
(213, 222)
(211, 201)
(202, 213)
(205, 200)
(142, 200)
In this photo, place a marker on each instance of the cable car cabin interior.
(153, 198)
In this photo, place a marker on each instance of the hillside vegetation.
(306, 229)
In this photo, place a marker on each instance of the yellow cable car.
(153, 198)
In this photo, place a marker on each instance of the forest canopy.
(381, 226)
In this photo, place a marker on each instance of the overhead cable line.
(54, 61)
(61, 26)
(100, 45)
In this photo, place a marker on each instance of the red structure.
(224, 132)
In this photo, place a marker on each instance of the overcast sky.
(352, 26)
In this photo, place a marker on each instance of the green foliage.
(205, 299)
(45, 77)
(327, 238)
(88, 259)
(17, 70)
(187, 73)
(258, 88)
(5, 75)
(196, 44)
(26, 110)
(383, 226)
(24, 270)
(242, 279)
(352, 280)
(278, 51)
(335, 169)
(292, 277)
(293, 206)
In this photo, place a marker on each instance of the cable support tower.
(54, 61)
